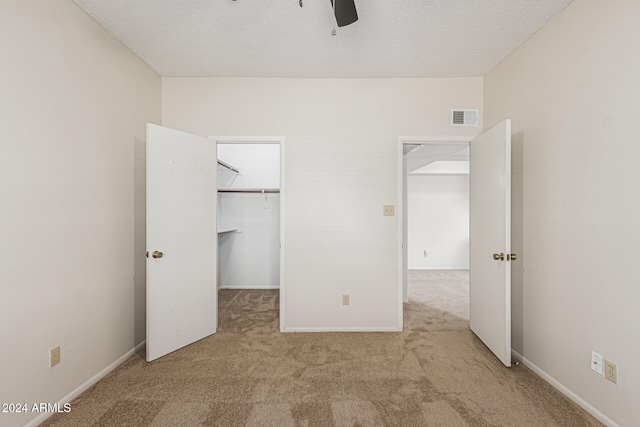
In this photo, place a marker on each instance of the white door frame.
(268, 140)
(402, 205)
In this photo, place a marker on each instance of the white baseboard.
(85, 386)
(344, 329)
(564, 390)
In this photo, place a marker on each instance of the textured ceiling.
(278, 38)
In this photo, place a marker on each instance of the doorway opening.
(250, 202)
(182, 235)
(490, 255)
(435, 227)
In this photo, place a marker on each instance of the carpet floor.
(435, 373)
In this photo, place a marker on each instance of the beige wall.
(341, 168)
(573, 93)
(72, 128)
(72, 113)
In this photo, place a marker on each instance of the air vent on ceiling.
(462, 117)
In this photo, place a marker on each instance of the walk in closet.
(248, 217)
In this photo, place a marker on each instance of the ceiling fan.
(344, 11)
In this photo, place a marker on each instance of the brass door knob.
(511, 257)
(157, 254)
(499, 256)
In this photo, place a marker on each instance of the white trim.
(564, 390)
(247, 139)
(401, 191)
(440, 174)
(248, 288)
(507, 230)
(87, 384)
(402, 271)
(282, 229)
(433, 139)
(344, 329)
(269, 140)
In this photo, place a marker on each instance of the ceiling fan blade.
(345, 11)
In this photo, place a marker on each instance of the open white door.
(490, 239)
(182, 300)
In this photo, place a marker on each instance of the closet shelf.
(248, 190)
(228, 230)
(228, 166)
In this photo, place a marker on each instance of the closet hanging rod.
(250, 190)
(228, 166)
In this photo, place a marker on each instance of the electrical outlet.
(54, 356)
(345, 299)
(388, 210)
(596, 362)
(611, 371)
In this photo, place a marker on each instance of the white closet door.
(182, 304)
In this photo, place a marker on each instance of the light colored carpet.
(435, 373)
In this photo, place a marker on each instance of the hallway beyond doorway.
(443, 295)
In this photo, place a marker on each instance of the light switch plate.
(388, 210)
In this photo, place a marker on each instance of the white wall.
(249, 257)
(72, 118)
(573, 93)
(341, 168)
(438, 221)
(259, 165)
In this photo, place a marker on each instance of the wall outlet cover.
(54, 356)
(611, 371)
(388, 210)
(596, 362)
